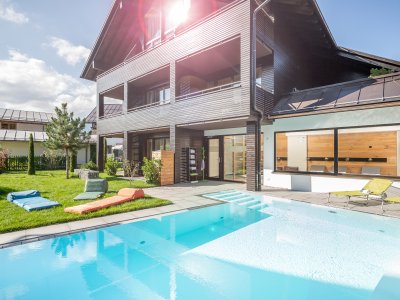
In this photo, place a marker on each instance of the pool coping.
(23, 237)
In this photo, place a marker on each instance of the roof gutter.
(260, 113)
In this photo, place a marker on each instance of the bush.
(152, 170)
(112, 166)
(3, 160)
(90, 165)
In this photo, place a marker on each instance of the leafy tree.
(31, 156)
(66, 133)
(374, 72)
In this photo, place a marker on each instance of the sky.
(44, 45)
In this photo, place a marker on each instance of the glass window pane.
(167, 144)
(306, 151)
(368, 151)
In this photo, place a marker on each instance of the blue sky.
(44, 44)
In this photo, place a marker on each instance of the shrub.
(3, 160)
(90, 165)
(152, 170)
(112, 166)
(31, 156)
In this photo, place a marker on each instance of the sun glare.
(179, 12)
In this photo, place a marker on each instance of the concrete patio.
(185, 197)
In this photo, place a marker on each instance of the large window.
(158, 95)
(156, 144)
(305, 151)
(370, 151)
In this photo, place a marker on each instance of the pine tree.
(66, 133)
(31, 156)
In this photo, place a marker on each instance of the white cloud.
(71, 53)
(8, 13)
(30, 84)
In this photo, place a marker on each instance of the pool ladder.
(243, 199)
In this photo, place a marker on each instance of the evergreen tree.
(105, 152)
(73, 163)
(31, 156)
(66, 133)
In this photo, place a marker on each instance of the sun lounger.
(317, 169)
(367, 170)
(30, 200)
(124, 195)
(94, 188)
(375, 188)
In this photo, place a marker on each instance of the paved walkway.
(184, 197)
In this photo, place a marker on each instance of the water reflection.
(61, 245)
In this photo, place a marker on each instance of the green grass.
(54, 186)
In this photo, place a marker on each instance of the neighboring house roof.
(24, 116)
(21, 135)
(370, 58)
(109, 110)
(348, 95)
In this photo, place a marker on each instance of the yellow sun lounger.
(375, 188)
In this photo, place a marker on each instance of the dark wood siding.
(229, 103)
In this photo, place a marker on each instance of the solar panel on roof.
(7, 114)
(349, 95)
(29, 116)
(22, 115)
(2, 134)
(310, 99)
(20, 135)
(2, 111)
(392, 87)
(10, 135)
(15, 115)
(372, 92)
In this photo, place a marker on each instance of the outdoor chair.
(94, 188)
(124, 195)
(317, 168)
(367, 170)
(30, 200)
(375, 188)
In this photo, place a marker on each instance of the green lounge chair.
(375, 188)
(94, 188)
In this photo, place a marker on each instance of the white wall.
(30, 127)
(321, 183)
(21, 149)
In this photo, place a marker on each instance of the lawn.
(54, 186)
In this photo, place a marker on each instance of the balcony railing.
(209, 91)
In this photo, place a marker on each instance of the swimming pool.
(279, 249)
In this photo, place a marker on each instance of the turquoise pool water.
(251, 248)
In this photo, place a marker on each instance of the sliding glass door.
(235, 158)
(214, 158)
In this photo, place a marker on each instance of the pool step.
(243, 199)
(258, 206)
(228, 196)
(231, 198)
(249, 203)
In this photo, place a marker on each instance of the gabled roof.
(344, 96)
(16, 115)
(370, 58)
(109, 110)
(21, 135)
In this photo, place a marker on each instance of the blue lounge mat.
(35, 203)
(21, 195)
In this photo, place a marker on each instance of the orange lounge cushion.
(129, 195)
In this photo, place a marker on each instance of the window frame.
(336, 152)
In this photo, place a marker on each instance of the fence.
(20, 163)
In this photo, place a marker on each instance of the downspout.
(253, 70)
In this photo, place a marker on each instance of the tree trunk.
(67, 163)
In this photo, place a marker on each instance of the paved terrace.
(185, 197)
